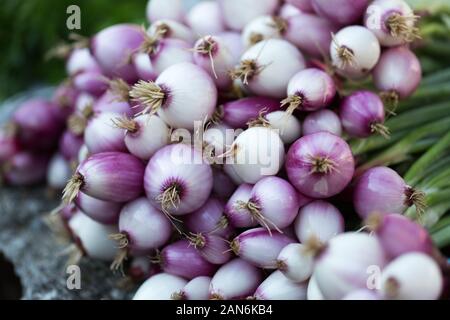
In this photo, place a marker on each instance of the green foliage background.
(29, 28)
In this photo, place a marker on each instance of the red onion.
(92, 82)
(141, 269)
(268, 66)
(81, 60)
(101, 135)
(392, 22)
(273, 203)
(238, 215)
(354, 51)
(296, 262)
(112, 102)
(237, 279)
(144, 67)
(167, 28)
(288, 10)
(278, 287)
(177, 179)
(231, 172)
(182, 259)
(342, 266)
(341, 12)
(309, 90)
(196, 289)
(313, 291)
(25, 168)
(213, 248)
(83, 154)
(161, 286)
(239, 112)
(65, 96)
(9, 143)
(165, 9)
(212, 54)
(320, 165)
(322, 120)
(145, 134)
(288, 126)
(412, 276)
(319, 220)
(399, 235)
(260, 247)
(108, 176)
(233, 42)
(363, 294)
(112, 48)
(58, 172)
(237, 13)
(205, 18)
(223, 186)
(381, 190)
(182, 94)
(303, 5)
(398, 72)
(101, 211)
(70, 145)
(217, 138)
(362, 114)
(262, 28)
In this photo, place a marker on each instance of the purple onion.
(278, 287)
(237, 279)
(322, 120)
(70, 145)
(167, 28)
(318, 220)
(381, 189)
(205, 18)
(92, 82)
(65, 96)
(209, 219)
(197, 289)
(223, 185)
(309, 90)
(25, 169)
(167, 52)
(141, 268)
(81, 60)
(233, 42)
(165, 9)
(101, 135)
(162, 286)
(288, 126)
(182, 259)
(213, 248)
(320, 165)
(108, 176)
(398, 71)
(260, 247)
(340, 12)
(288, 10)
(262, 28)
(112, 48)
(58, 172)
(101, 211)
(9, 143)
(144, 67)
(303, 5)
(362, 114)
(238, 215)
(363, 294)
(177, 179)
(114, 103)
(296, 261)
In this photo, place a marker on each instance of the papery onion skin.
(300, 167)
(101, 211)
(160, 287)
(278, 287)
(237, 279)
(240, 217)
(340, 12)
(205, 18)
(288, 10)
(322, 120)
(101, 135)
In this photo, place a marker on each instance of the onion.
(303, 5)
(92, 82)
(288, 10)
(398, 73)
(296, 262)
(392, 22)
(144, 68)
(182, 94)
(101, 211)
(81, 60)
(362, 114)
(167, 28)
(260, 247)
(318, 220)
(381, 190)
(363, 294)
(216, 139)
(182, 259)
(70, 145)
(233, 42)
(273, 203)
(286, 124)
(177, 180)
(196, 289)
(340, 12)
(322, 120)
(108, 176)
(239, 112)
(231, 172)
(268, 66)
(25, 169)
(398, 235)
(309, 90)
(205, 18)
(238, 215)
(262, 28)
(320, 165)
(237, 13)
(412, 276)
(113, 102)
(209, 219)
(213, 248)
(9, 142)
(112, 48)
(145, 134)
(223, 185)
(101, 135)
(235, 280)
(65, 96)
(141, 269)
(83, 154)
(165, 9)
(342, 266)
(58, 172)
(161, 286)
(354, 51)
(313, 291)
(278, 287)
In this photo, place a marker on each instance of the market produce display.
(252, 149)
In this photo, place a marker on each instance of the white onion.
(160, 287)
(197, 289)
(58, 172)
(171, 29)
(278, 287)
(288, 126)
(205, 18)
(259, 29)
(296, 262)
(165, 9)
(313, 291)
(322, 120)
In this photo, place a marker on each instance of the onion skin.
(169, 52)
(313, 291)
(278, 287)
(58, 172)
(363, 294)
(81, 60)
(101, 135)
(288, 10)
(160, 286)
(92, 82)
(25, 169)
(165, 9)
(144, 68)
(205, 18)
(240, 217)
(303, 5)
(70, 145)
(259, 29)
(340, 12)
(318, 145)
(398, 71)
(223, 185)
(65, 96)
(197, 289)
(295, 262)
(237, 279)
(288, 125)
(101, 211)
(361, 112)
(9, 144)
(112, 176)
(213, 248)
(322, 120)
(260, 247)
(182, 259)
(183, 166)
(111, 102)
(172, 29)
(233, 42)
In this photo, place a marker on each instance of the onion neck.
(125, 123)
(122, 241)
(170, 198)
(120, 88)
(403, 27)
(149, 94)
(254, 209)
(390, 99)
(322, 165)
(260, 121)
(255, 37)
(293, 103)
(415, 198)
(178, 296)
(72, 188)
(313, 246)
(392, 287)
(373, 222)
(247, 69)
(234, 246)
(378, 127)
(197, 240)
(77, 123)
